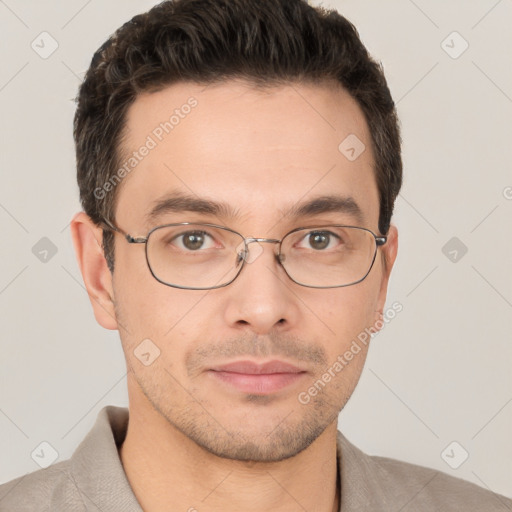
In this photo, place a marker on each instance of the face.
(260, 153)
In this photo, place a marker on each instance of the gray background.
(438, 373)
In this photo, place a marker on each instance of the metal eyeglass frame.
(379, 242)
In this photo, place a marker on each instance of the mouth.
(254, 378)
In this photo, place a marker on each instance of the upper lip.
(253, 368)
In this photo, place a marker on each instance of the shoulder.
(392, 484)
(42, 491)
(92, 476)
(429, 489)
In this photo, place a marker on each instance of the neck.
(167, 471)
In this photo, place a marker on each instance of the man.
(238, 163)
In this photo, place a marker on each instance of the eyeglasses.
(198, 256)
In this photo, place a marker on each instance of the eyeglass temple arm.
(380, 240)
(107, 225)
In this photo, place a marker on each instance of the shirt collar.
(97, 468)
(362, 486)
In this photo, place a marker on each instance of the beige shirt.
(93, 480)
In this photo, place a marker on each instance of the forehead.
(258, 152)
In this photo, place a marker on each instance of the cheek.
(348, 311)
(146, 308)
(171, 319)
(349, 315)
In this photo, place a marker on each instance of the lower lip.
(258, 384)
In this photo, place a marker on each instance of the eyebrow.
(179, 202)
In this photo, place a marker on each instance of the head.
(247, 105)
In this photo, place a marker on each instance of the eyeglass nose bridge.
(244, 254)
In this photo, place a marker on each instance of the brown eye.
(320, 240)
(193, 240)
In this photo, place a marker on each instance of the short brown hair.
(267, 42)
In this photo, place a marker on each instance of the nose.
(262, 297)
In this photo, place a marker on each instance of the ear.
(389, 250)
(87, 241)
